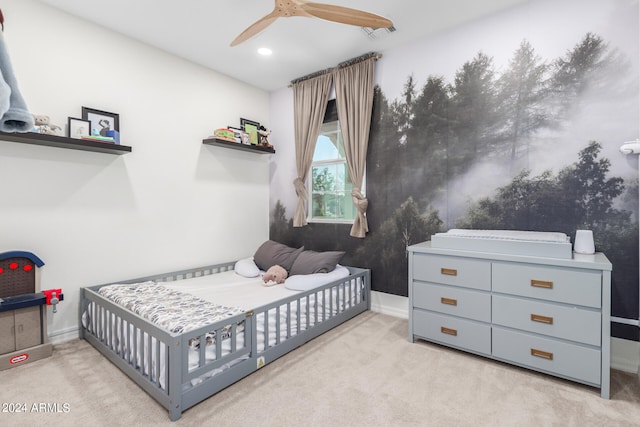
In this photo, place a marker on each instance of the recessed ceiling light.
(265, 51)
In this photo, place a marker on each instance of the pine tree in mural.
(586, 184)
(590, 65)
(522, 95)
(474, 113)
(280, 226)
(405, 108)
(429, 136)
(383, 145)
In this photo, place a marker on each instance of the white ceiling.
(201, 31)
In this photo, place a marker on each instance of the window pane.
(329, 184)
(329, 145)
(331, 192)
(325, 149)
(324, 178)
(336, 205)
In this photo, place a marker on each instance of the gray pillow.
(309, 262)
(272, 253)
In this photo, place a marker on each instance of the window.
(329, 181)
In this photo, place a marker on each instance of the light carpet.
(363, 373)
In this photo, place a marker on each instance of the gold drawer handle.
(448, 301)
(541, 284)
(542, 319)
(448, 331)
(543, 354)
(449, 271)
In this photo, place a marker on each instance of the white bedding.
(234, 290)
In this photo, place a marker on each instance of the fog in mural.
(518, 139)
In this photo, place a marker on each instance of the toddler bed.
(152, 328)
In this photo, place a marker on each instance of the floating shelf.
(237, 146)
(64, 142)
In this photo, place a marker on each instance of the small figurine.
(263, 134)
(42, 124)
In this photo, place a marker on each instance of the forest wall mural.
(512, 123)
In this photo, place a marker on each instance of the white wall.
(171, 204)
(283, 169)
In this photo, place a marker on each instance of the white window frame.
(331, 116)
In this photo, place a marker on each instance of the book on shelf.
(97, 138)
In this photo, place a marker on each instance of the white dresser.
(547, 314)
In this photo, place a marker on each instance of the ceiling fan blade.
(346, 15)
(254, 28)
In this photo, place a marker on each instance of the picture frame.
(101, 121)
(251, 128)
(78, 128)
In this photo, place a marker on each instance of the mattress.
(513, 242)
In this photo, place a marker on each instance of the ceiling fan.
(329, 12)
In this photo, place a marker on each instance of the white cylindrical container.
(584, 242)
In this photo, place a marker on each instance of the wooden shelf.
(64, 142)
(237, 146)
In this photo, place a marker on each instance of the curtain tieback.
(301, 189)
(359, 200)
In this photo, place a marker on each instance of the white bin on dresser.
(547, 314)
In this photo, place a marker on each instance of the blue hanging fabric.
(14, 114)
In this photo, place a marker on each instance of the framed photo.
(101, 121)
(251, 128)
(79, 128)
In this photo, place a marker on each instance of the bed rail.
(164, 365)
(311, 314)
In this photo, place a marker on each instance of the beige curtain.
(354, 102)
(309, 105)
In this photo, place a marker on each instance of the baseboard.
(625, 354)
(393, 305)
(58, 337)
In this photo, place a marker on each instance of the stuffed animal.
(275, 275)
(42, 124)
(263, 135)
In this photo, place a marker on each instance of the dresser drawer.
(570, 323)
(456, 271)
(568, 285)
(461, 333)
(460, 302)
(546, 354)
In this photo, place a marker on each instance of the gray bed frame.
(178, 394)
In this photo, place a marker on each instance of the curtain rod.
(360, 58)
(346, 63)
